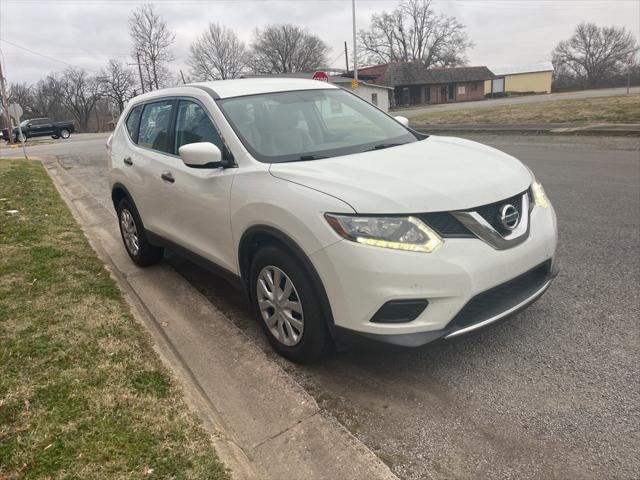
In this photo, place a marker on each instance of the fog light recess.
(400, 311)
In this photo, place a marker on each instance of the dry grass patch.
(82, 394)
(622, 109)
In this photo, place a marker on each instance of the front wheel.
(21, 137)
(55, 137)
(287, 306)
(64, 133)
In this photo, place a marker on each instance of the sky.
(86, 33)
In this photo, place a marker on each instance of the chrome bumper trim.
(495, 318)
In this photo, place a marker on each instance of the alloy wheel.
(280, 305)
(129, 232)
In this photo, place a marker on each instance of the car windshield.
(310, 124)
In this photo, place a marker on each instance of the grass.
(622, 109)
(82, 393)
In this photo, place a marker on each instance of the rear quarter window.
(133, 121)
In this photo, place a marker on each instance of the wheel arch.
(258, 235)
(119, 192)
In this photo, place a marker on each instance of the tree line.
(412, 32)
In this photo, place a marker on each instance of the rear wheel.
(287, 306)
(134, 238)
(64, 133)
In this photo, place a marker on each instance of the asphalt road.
(553, 393)
(497, 102)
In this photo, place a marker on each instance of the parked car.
(338, 221)
(42, 127)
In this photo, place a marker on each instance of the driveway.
(497, 102)
(553, 393)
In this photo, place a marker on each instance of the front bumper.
(488, 313)
(360, 279)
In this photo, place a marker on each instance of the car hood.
(435, 174)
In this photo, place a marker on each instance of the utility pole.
(346, 56)
(630, 62)
(5, 103)
(355, 48)
(140, 72)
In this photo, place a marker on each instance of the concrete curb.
(609, 130)
(263, 424)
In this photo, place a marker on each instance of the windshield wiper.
(307, 157)
(386, 145)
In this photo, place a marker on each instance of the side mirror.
(201, 155)
(29, 124)
(403, 120)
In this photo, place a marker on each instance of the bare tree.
(117, 83)
(77, 91)
(217, 54)
(44, 99)
(20, 93)
(36, 100)
(152, 42)
(286, 49)
(413, 32)
(594, 53)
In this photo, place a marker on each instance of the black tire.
(18, 138)
(64, 133)
(146, 253)
(55, 137)
(315, 336)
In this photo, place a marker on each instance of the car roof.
(243, 86)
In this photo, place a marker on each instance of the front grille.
(446, 225)
(501, 298)
(491, 212)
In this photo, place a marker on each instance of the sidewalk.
(263, 424)
(602, 129)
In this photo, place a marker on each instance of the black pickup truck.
(41, 127)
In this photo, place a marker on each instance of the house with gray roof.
(415, 84)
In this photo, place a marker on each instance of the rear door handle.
(128, 161)
(167, 177)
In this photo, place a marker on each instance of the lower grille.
(501, 298)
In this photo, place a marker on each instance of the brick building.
(414, 84)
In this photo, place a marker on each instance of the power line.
(470, 3)
(39, 54)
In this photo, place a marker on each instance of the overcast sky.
(87, 33)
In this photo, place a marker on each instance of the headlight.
(539, 197)
(400, 233)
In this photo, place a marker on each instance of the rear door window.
(133, 121)
(154, 126)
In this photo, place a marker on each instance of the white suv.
(338, 220)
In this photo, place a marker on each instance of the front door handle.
(128, 161)
(167, 177)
